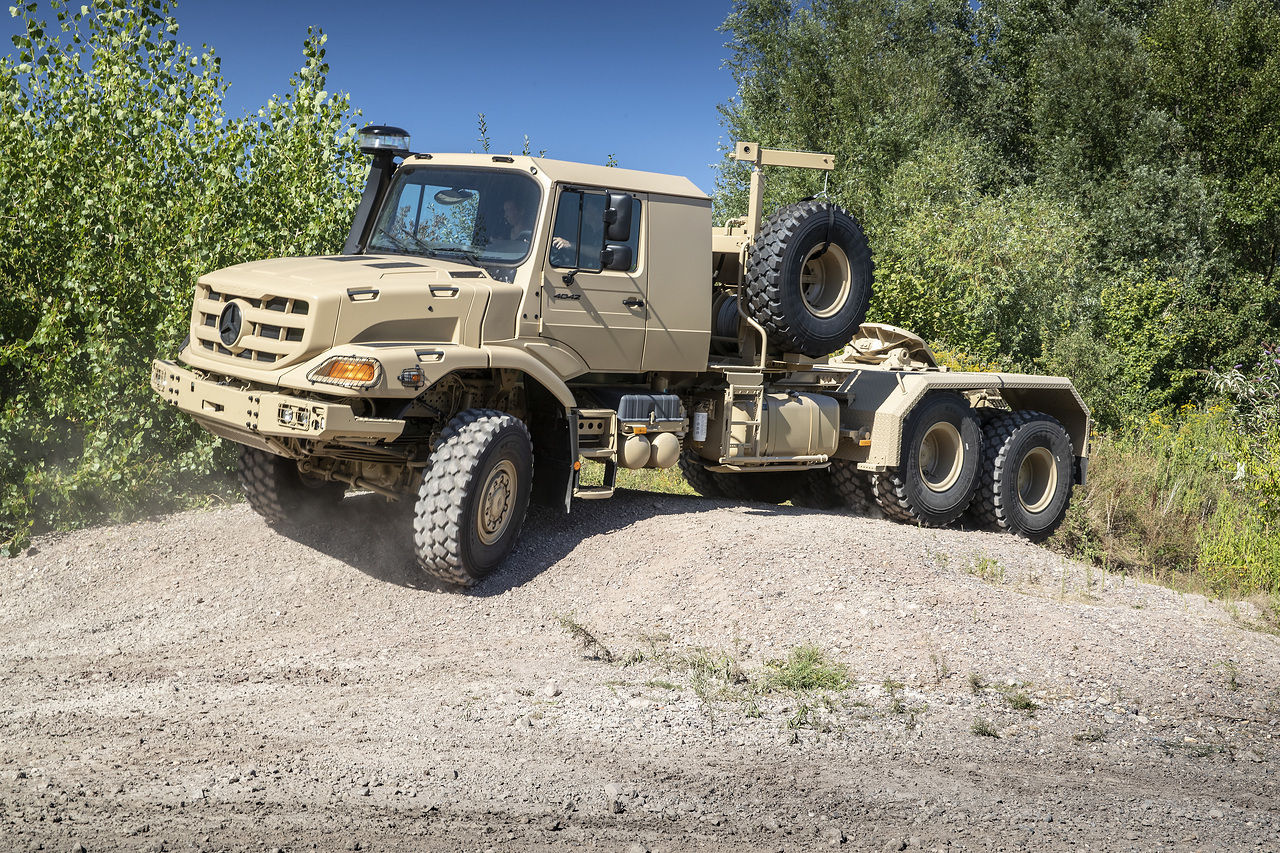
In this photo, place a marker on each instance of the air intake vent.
(263, 331)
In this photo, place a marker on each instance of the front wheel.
(278, 491)
(939, 466)
(473, 497)
(1026, 486)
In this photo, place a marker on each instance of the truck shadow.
(376, 537)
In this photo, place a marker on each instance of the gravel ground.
(204, 682)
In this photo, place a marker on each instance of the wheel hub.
(1037, 480)
(825, 280)
(496, 497)
(941, 457)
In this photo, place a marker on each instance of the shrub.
(1190, 496)
(121, 180)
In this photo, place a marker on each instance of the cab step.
(596, 432)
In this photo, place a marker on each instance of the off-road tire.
(276, 489)
(973, 517)
(771, 487)
(940, 464)
(709, 484)
(839, 486)
(810, 301)
(853, 486)
(1026, 484)
(817, 491)
(473, 497)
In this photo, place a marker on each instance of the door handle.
(568, 296)
(633, 302)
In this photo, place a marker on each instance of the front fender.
(547, 364)
(434, 360)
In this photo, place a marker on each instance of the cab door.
(600, 313)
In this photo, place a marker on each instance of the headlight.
(348, 371)
(300, 417)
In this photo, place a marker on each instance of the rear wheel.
(473, 497)
(853, 486)
(709, 484)
(770, 487)
(278, 491)
(940, 463)
(1026, 487)
(766, 487)
(839, 486)
(817, 491)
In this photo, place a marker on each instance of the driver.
(515, 217)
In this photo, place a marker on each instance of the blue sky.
(585, 80)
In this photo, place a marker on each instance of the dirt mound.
(206, 682)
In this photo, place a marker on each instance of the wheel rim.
(941, 457)
(825, 281)
(497, 497)
(1037, 480)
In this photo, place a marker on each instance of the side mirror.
(616, 257)
(617, 216)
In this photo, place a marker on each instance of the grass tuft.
(984, 728)
(581, 633)
(806, 668)
(1022, 702)
(987, 569)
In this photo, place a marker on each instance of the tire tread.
(765, 284)
(438, 523)
(274, 488)
(987, 507)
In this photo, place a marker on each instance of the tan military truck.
(496, 321)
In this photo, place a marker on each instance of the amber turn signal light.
(348, 371)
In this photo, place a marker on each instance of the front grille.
(273, 327)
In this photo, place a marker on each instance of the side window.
(578, 235)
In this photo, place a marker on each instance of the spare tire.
(809, 278)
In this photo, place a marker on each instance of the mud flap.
(553, 451)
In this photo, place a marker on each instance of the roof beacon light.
(376, 137)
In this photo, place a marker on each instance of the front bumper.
(248, 416)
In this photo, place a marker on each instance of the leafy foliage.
(1084, 187)
(1196, 496)
(1038, 174)
(121, 180)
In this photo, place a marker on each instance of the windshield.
(483, 216)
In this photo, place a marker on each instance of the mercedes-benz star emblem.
(229, 324)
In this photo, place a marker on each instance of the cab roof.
(565, 172)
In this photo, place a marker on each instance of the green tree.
(867, 80)
(1015, 163)
(997, 276)
(121, 180)
(1216, 68)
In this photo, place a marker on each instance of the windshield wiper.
(385, 233)
(424, 248)
(470, 256)
(421, 244)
